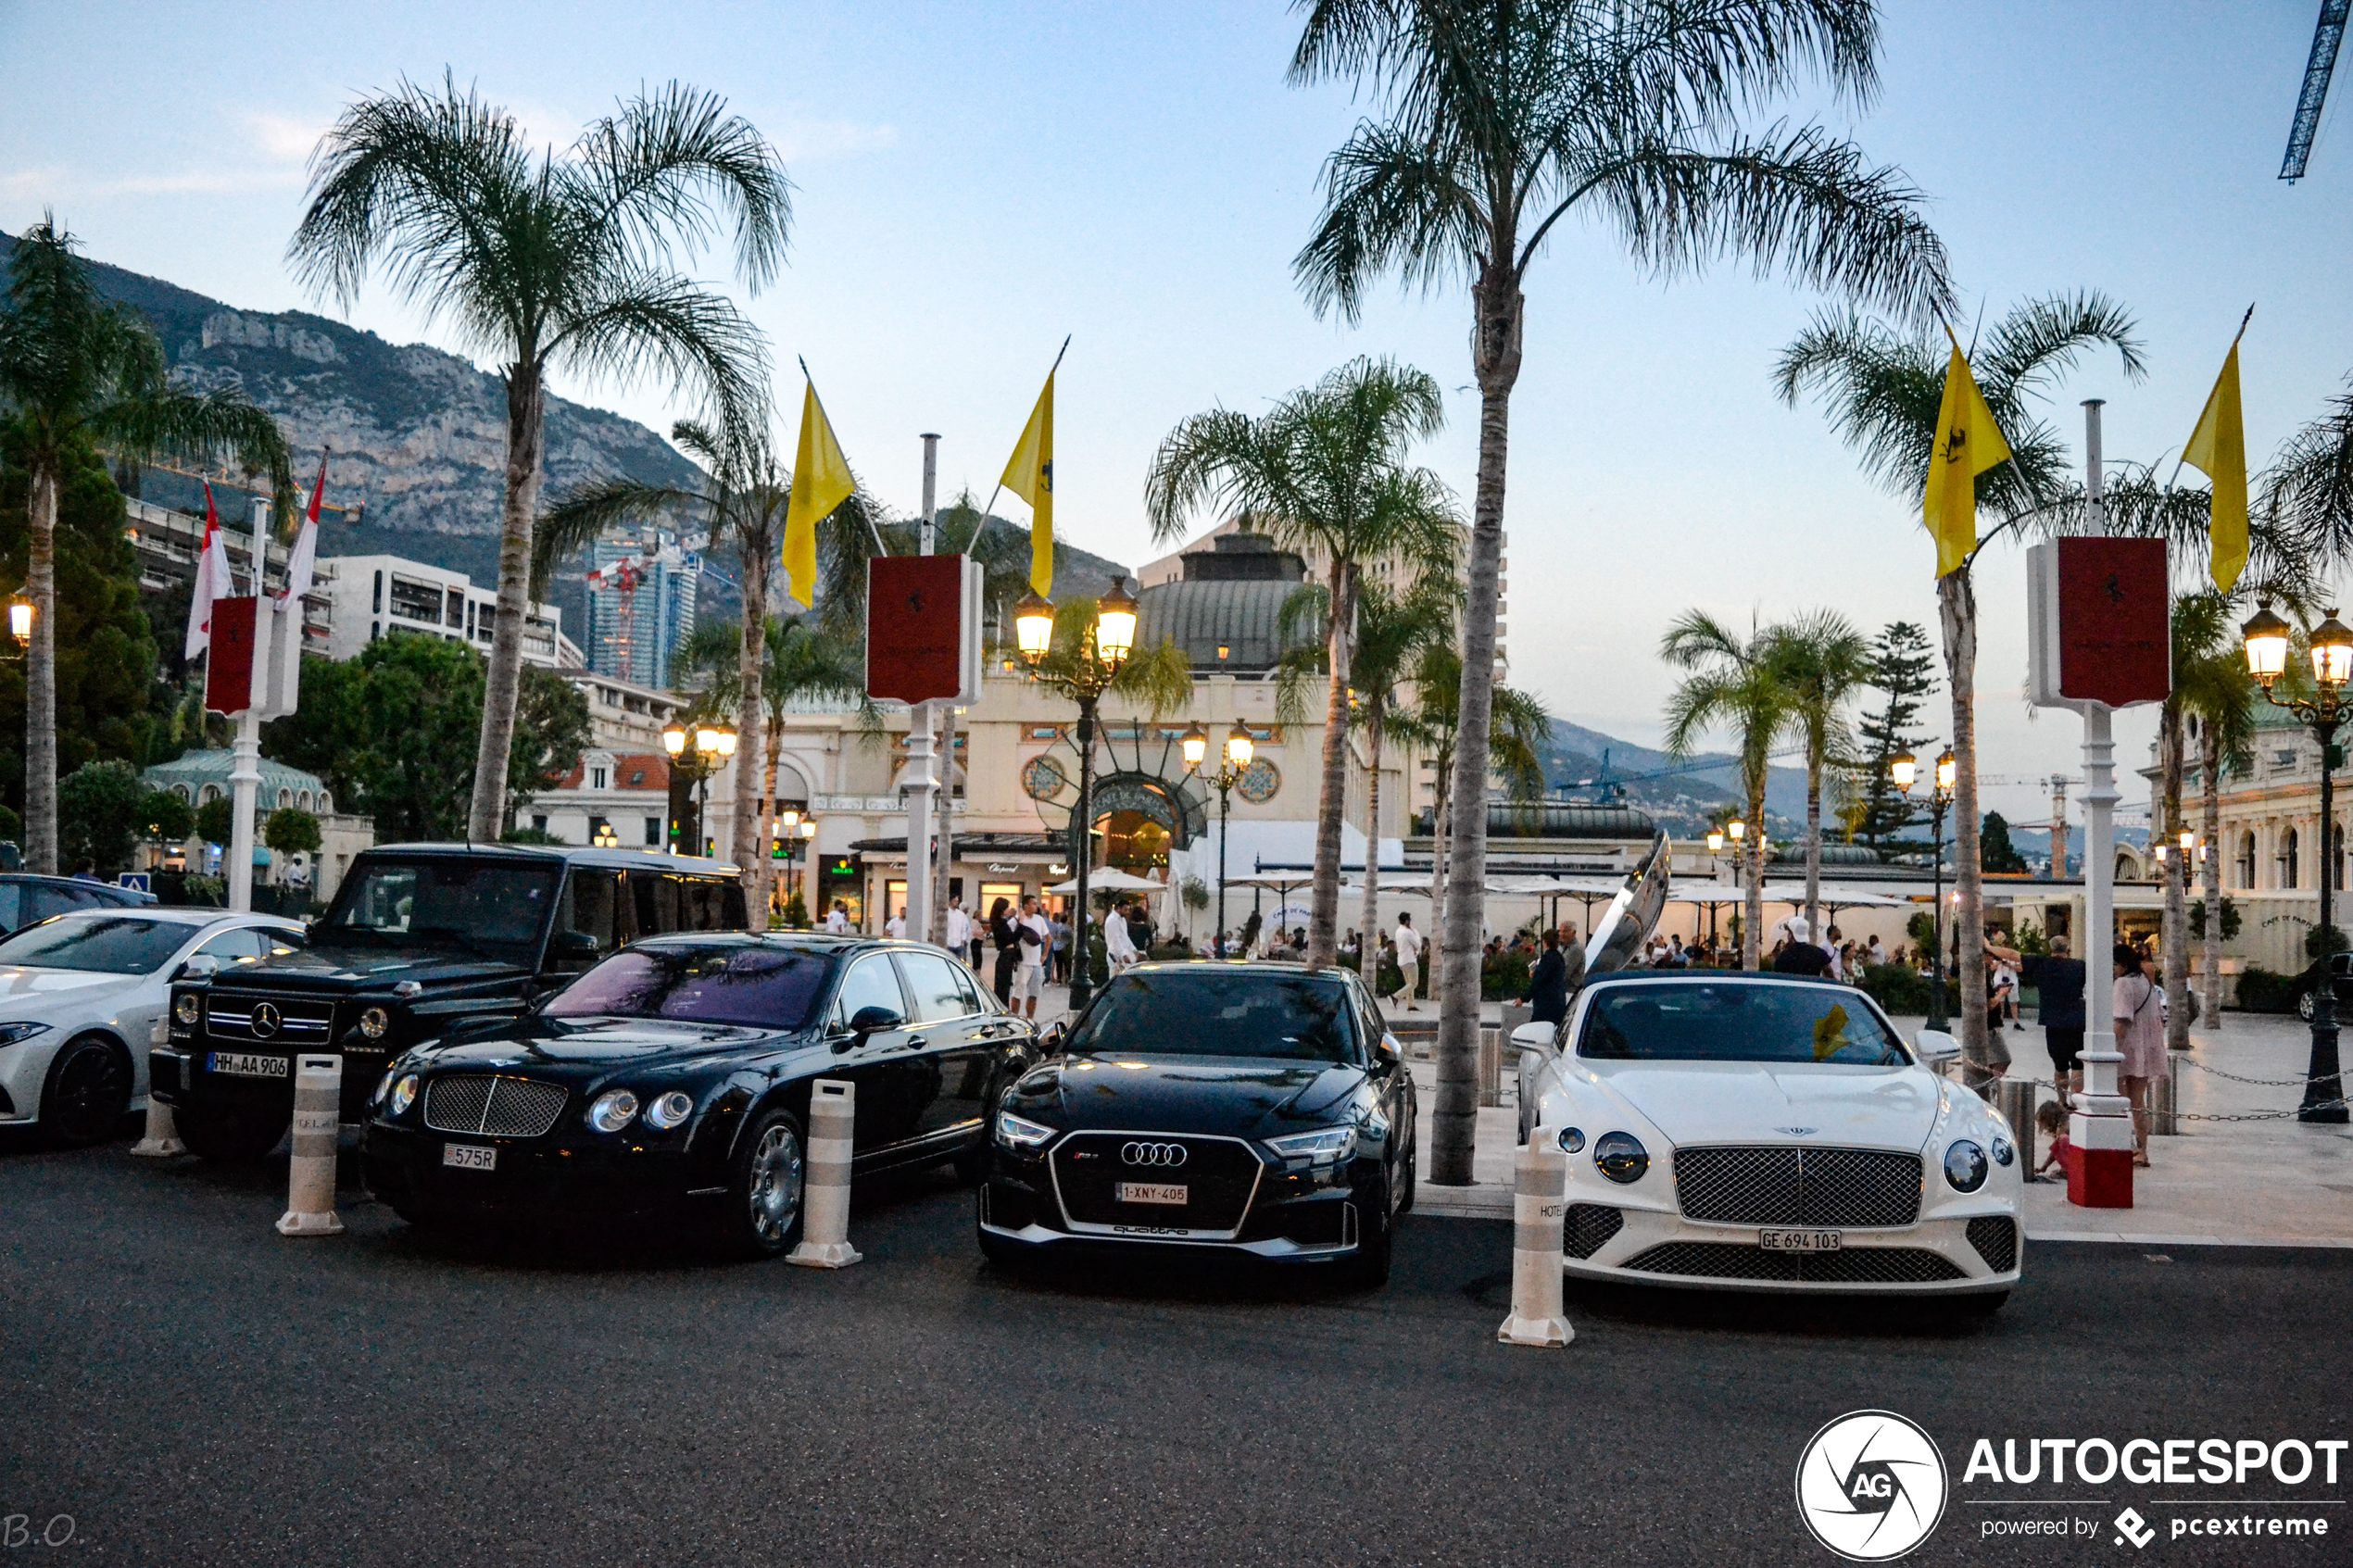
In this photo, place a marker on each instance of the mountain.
(1681, 795)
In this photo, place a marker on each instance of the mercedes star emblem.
(265, 1020)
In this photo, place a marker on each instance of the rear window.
(1205, 1009)
(101, 944)
(1737, 1021)
(746, 982)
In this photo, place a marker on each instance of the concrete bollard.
(825, 1228)
(163, 1141)
(318, 1119)
(1540, 1206)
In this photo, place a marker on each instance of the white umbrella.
(1112, 879)
(1841, 897)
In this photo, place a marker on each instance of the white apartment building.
(373, 596)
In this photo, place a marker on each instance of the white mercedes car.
(81, 992)
(1759, 1132)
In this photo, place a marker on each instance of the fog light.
(1572, 1139)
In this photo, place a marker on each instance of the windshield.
(737, 983)
(477, 903)
(1203, 1009)
(101, 944)
(1737, 1022)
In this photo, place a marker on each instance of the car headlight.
(1324, 1146)
(1019, 1131)
(187, 1008)
(375, 1023)
(404, 1094)
(1572, 1139)
(11, 1033)
(668, 1110)
(2003, 1152)
(613, 1111)
(1621, 1157)
(383, 1085)
(1965, 1166)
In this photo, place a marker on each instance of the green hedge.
(1903, 989)
(2262, 991)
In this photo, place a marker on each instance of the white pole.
(244, 769)
(2102, 1122)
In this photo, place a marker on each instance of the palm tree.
(545, 262)
(1883, 386)
(2220, 695)
(1322, 472)
(1822, 661)
(2209, 672)
(1515, 743)
(2308, 491)
(1735, 683)
(1503, 121)
(74, 369)
(800, 660)
(742, 501)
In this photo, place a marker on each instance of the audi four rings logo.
(265, 1020)
(1168, 1154)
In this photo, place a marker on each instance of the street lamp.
(2331, 646)
(20, 621)
(1903, 770)
(713, 745)
(1238, 748)
(1084, 675)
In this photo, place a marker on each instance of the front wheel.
(228, 1137)
(765, 1189)
(87, 1093)
(2304, 1006)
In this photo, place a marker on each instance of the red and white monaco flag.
(300, 565)
(212, 581)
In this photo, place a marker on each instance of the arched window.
(286, 798)
(2288, 844)
(2246, 861)
(326, 804)
(303, 800)
(181, 790)
(208, 793)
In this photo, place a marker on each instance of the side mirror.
(1535, 1037)
(874, 1021)
(1051, 1039)
(1389, 1048)
(573, 945)
(1935, 1046)
(203, 966)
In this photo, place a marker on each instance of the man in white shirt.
(1409, 958)
(896, 925)
(959, 929)
(1037, 934)
(1118, 947)
(837, 919)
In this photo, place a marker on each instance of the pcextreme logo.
(1871, 1485)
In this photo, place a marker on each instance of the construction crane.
(2327, 36)
(624, 577)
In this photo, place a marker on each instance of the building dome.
(1563, 819)
(1221, 624)
(1833, 854)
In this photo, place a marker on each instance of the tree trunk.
(943, 826)
(1814, 850)
(1957, 609)
(1368, 920)
(2210, 783)
(526, 414)
(1495, 353)
(2176, 932)
(1753, 898)
(1441, 829)
(754, 809)
(1323, 899)
(775, 739)
(41, 676)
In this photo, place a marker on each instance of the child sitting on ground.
(2051, 1116)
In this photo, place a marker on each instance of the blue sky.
(975, 181)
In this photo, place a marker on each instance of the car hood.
(35, 991)
(1705, 1102)
(330, 967)
(557, 1047)
(1240, 1097)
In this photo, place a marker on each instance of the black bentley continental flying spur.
(673, 1080)
(1257, 1108)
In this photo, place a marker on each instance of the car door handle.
(917, 1042)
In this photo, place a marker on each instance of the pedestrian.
(2140, 1039)
(896, 926)
(837, 919)
(1008, 946)
(960, 928)
(1388, 981)
(1037, 939)
(1796, 955)
(1874, 955)
(2059, 981)
(1061, 928)
(1119, 948)
(1409, 958)
(2051, 1116)
(1548, 986)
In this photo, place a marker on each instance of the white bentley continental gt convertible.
(1757, 1131)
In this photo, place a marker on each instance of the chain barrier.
(2191, 1115)
(2235, 1078)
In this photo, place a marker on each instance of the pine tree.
(1904, 671)
(1995, 851)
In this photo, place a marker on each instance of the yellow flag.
(1030, 475)
(821, 481)
(1968, 442)
(2218, 449)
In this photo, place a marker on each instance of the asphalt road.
(191, 1389)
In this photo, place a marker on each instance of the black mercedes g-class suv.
(420, 935)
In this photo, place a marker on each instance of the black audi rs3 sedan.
(671, 1081)
(1254, 1108)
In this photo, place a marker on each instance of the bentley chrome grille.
(495, 1107)
(1787, 1186)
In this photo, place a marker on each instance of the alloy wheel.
(778, 1171)
(89, 1092)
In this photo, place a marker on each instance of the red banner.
(914, 627)
(2115, 628)
(228, 687)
